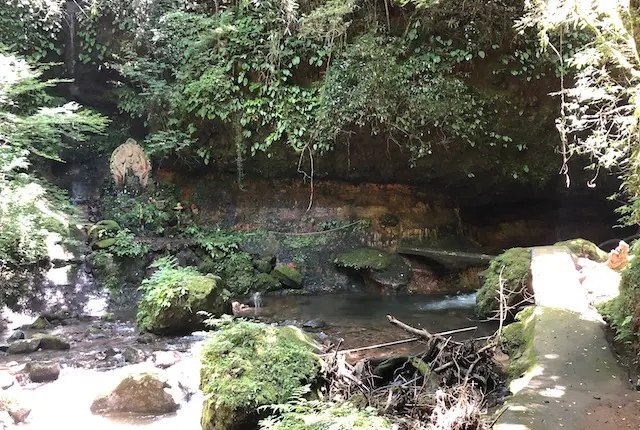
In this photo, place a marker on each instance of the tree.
(33, 214)
(601, 107)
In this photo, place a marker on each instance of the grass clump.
(514, 268)
(246, 365)
(314, 415)
(173, 296)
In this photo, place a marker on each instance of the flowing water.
(87, 370)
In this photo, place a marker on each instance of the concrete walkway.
(577, 382)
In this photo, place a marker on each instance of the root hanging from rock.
(447, 386)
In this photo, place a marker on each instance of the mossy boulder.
(246, 365)
(288, 276)
(264, 265)
(363, 259)
(51, 342)
(513, 267)
(585, 249)
(341, 416)
(105, 243)
(173, 297)
(516, 340)
(266, 282)
(385, 270)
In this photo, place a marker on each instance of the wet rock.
(147, 338)
(41, 371)
(107, 353)
(266, 282)
(314, 324)
(165, 359)
(288, 276)
(26, 346)
(4, 348)
(141, 393)
(16, 335)
(133, 355)
(51, 342)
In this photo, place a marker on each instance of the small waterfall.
(257, 301)
(71, 9)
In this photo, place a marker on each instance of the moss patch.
(584, 248)
(363, 259)
(517, 341)
(327, 416)
(289, 276)
(246, 365)
(514, 268)
(172, 298)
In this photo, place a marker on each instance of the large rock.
(10, 406)
(173, 298)
(377, 267)
(246, 365)
(24, 346)
(42, 371)
(288, 276)
(51, 342)
(142, 393)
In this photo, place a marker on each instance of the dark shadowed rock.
(314, 324)
(147, 338)
(24, 346)
(141, 393)
(16, 335)
(133, 355)
(42, 371)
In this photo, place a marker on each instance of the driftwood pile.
(448, 385)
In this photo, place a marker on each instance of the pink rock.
(165, 359)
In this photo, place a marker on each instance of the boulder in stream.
(288, 276)
(246, 365)
(42, 371)
(382, 269)
(165, 359)
(24, 346)
(173, 298)
(143, 393)
(51, 342)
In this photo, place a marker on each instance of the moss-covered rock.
(389, 271)
(266, 282)
(51, 342)
(517, 341)
(264, 265)
(584, 248)
(142, 393)
(246, 365)
(288, 276)
(316, 415)
(172, 298)
(513, 267)
(363, 259)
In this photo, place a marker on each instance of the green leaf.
(481, 54)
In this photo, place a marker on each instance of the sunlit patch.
(551, 356)
(556, 392)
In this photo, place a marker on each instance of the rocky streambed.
(55, 366)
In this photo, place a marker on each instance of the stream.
(101, 350)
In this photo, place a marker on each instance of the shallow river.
(358, 319)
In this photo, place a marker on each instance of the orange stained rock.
(619, 257)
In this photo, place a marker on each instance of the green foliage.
(623, 312)
(585, 248)
(126, 245)
(32, 28)
(34, 215)
(173, 295)
(246, 365)
(108, 270)
(510, 271)
(302, 414)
